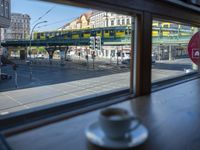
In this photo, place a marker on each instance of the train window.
(174, 26)
(185, 27)
(38, 35)
(165, 26)
(170, 56)
(93, 33)
(47, 35)
(112, 33)
(81, 34)
(69, 34)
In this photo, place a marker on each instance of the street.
(51, 84)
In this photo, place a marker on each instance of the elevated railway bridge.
(112, 36)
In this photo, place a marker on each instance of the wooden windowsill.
(171, 116)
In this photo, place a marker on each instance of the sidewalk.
(11, 101)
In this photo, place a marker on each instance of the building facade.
(2, 34)
(4, 13)
(82, 22)
(19, 27)
(4, 17)
(108, 19)
(102, 19)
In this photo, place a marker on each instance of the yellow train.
(111, 32)
(163, 29)
(166, 29)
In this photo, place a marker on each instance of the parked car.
(126, 61)
(68, 58)
(153, 58)
(40, 56)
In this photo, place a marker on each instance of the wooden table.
(172, 117)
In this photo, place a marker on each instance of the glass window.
(77, 68)
(185, 27)
(165, 26)
(7, 11)
(128, 21)
(174, 25)
(123, 21)
(1, 7)
(170, 56)
(118, 22)
(112, 22)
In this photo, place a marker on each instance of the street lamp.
(32, 33)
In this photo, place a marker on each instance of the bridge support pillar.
(22, 54)
(50, 54)
(170, 52)
(159, 52)
(66, 50)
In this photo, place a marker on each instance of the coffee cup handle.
(134, 118)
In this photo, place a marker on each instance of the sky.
(57, 16)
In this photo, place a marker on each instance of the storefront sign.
(194, 48)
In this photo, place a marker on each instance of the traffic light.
(98, 43)
(92, 43)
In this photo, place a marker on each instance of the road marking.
(20, 103)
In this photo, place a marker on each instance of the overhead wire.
(47, 12)
(56, 22)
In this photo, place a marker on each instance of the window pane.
(170, 50)
(1, 7)
(85, 55)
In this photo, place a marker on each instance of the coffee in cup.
(116, 123)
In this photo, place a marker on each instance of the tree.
(41, 50)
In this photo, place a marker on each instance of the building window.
(118, 22)
(112, 22)
(128, 21)
(1, 7)
(123, 22)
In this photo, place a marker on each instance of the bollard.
(15, 72)
(16, 83)
(30, 68)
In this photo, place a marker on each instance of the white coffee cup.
(117, 123)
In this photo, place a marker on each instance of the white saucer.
(96, 136)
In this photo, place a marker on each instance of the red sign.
(194, 48)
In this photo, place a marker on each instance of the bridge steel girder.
(86, 42)
(59, 42)
(64, 42)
